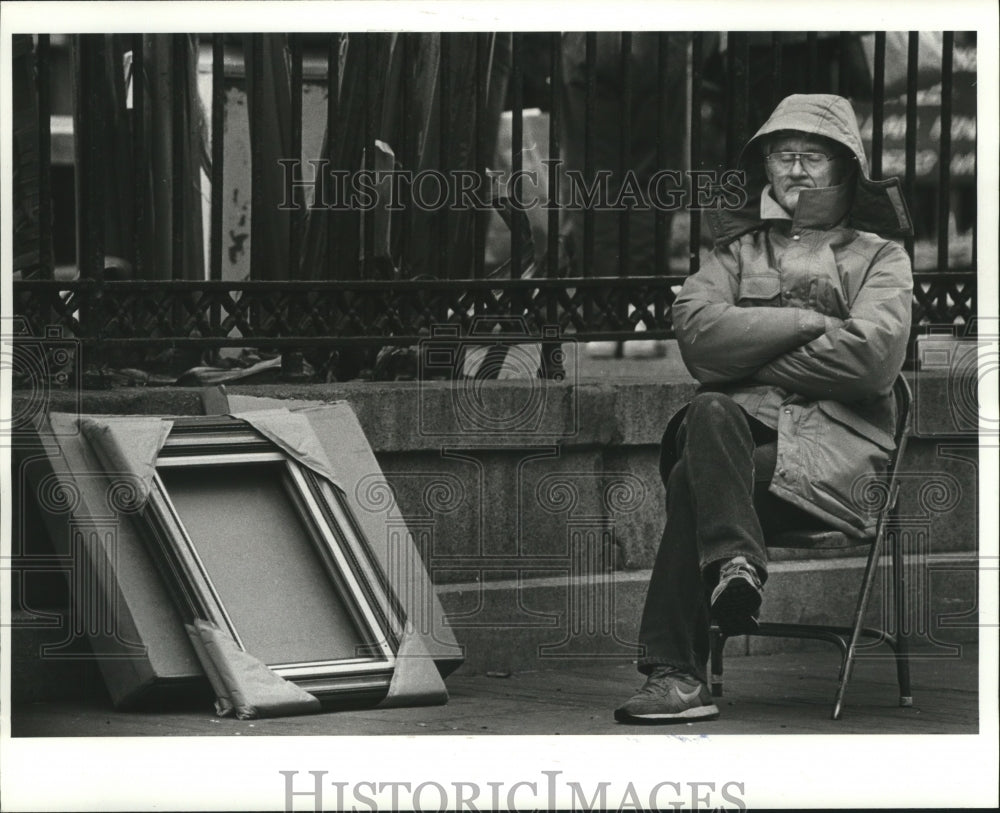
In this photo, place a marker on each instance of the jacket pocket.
(828, 460)
(844, 415)
(758, 288)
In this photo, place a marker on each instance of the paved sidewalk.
(789, 693)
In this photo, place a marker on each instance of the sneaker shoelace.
(742, 568)
(664, 673)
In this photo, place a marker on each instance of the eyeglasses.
(811, 161)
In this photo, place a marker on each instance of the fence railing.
(328, 276)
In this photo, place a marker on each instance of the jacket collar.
(770, 209)
(875, 206)
(821, 208)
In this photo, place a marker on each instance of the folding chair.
(847, 638)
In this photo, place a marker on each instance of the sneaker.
(669, 696)
(736, 599)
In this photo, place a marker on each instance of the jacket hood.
(876, 206)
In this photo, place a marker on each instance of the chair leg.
(859, 616)
(902, 647)
(718, 642)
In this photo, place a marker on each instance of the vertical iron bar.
(728, 93)
(625, 151)
(178, 138)
(332, 109)
(89, 114)
(140, 157)
(555, 152)
(218, 125)
(483, 50)
(944, 181)
(975, 186)
(478, 113)
(44, 159)
(588, 154)
(812, 70)
(405, 105)
(81, 74)
(444, 144)
(371, 49)
(843, 46)
(485, 45)
(738, 94)
(909, 180)
(624, 164)
(256, 155)
(694, 235)
(97, 171)
(91, 160)
(878, 105)
(81, 137)
(776, 94)
(480, 105)
(516, 152)
(660, 235)
(295, 216)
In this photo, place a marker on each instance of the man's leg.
(674, 626)
(707, 523)
(711, 518)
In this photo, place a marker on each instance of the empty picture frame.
(251, 539)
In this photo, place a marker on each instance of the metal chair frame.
(847, 638)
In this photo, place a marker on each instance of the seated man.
(795, 328)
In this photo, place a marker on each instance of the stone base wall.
(538, 508)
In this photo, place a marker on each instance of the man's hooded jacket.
(804, 320)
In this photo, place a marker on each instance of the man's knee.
(712, 408)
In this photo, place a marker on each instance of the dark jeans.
(718, 507)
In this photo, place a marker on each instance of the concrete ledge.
(420, 415)
(407, 416)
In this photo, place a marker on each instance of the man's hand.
(832, 323)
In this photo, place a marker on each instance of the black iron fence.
(607, 107)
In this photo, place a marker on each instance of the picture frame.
(252, 540)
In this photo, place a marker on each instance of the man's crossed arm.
(797, 349)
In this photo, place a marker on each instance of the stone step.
(551, 623)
